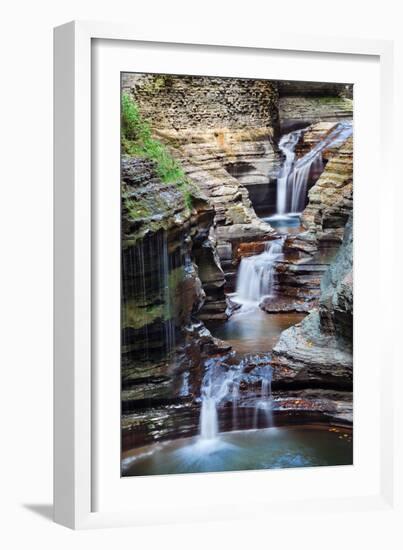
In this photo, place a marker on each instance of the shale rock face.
(167, 261)
(312, 136)
(305, 103)
(222, 130)
(308, 254)
(331, 198)
(319, 349)
(223, 133)
(183, 102)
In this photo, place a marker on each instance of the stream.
(252, 332)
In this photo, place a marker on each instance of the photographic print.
(236, 274)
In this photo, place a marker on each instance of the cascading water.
(292, 184)
(215, 388)
(168, 313)
(287, 146)
(265, 404)
(221, 384)
(256, 273)
(235, 402)
(184, 391)
(146, 273)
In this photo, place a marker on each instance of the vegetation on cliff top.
(137, 140)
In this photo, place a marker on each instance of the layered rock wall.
(318, 351)
(331, 198)
(223, 133)
(222, 130)
(330, 201)
(181, 102)
(166, 262)
(305, 103)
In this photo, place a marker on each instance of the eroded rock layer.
(167, 259)
(308, 253)
(305, 103)
(318, 351)
(223, 133)
(178, 260)
(331, 198)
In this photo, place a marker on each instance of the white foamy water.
(256, 274)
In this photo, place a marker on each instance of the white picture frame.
(78, 472)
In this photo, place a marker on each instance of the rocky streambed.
(202, 353)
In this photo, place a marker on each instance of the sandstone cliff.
(223, 131)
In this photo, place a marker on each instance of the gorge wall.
(165, 253)
(317, 353)
(218, 127)
(304, 103)
(180, 259)
(223, 131)
(308, 254)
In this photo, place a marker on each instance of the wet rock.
(331, 198)
(148, 204)
(300, 280)
(308, 254)
(312, 136)
(213, 281)
(170, 271)
(159, 423)
(333, 405)
(319, 349)
(287, 305)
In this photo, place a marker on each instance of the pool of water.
(251, 330)
(272, 448)
(286, 223)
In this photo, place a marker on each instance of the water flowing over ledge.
(294, 175)
(256, 274)
(197, 403)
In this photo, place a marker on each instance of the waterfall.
(218, 385)
(221, 384)
(256, 273)
(167, 267)
(292, 183)
(265, 404)
(215, 387)
(184, 391)
(150, 270)
(235, 401)
(287, 146)
(209, 419)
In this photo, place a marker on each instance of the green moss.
(136, 314)
(156, 83)
(136, 317)
(174, 278)
(138, 209)
(341, 102)
(137, 140)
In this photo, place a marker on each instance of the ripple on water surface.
(272, 448)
